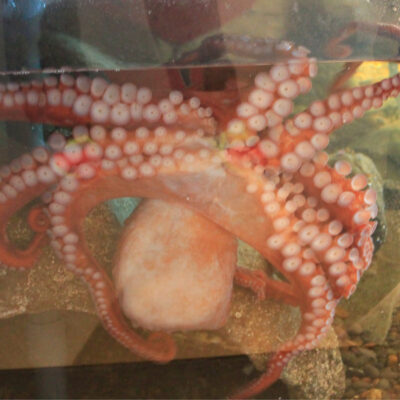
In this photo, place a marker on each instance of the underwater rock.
(391, 193)
(252, 259)
(378, 292)
(313, 374)
(53, 311)
(377, 322)
(317, 374)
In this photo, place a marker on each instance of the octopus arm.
(312, 222)
(66, 101)
(68, 240)
(265, 103)
(287, 146)
(317, 309)
(319, 240)
(265, 287)
(337, 48)
(124, 171)
(338, 221)
(83, 178)
(26, 179)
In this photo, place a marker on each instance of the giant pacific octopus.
(217, 166)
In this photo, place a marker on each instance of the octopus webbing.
(219, 166)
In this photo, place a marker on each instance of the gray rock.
(361, 385)
(367, 353)
(350, 393)
(371, 371)
(389, 374)
(391, 193)
(350, 358)
(384, 384)
(378, 320)
(354, 371)
(355, 329)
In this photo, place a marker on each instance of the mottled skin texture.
(179, 281)
(269, 185)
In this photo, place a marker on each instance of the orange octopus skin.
(179, 281)
(271, 187)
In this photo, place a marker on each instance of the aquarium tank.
(200, 199)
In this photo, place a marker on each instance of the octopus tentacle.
(289, 145)
(25, 179)
(315, 253)
(299, 265)
(215, 46)
(266, 103)
(344, 75)
(67, 101)
(338, 243)
(68, 241)
(317, 315)
(265, 287)
(91, 178)
(341, 249)
(336, 47)
(307, 263)
(318, 247)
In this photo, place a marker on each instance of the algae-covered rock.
(377, 321)
(376, 296)
(392, 194)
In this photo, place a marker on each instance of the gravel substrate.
(372, 370)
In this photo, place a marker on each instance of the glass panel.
(132, 34)
(165, 195)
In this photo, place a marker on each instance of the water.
(159, 206)
(46, 304)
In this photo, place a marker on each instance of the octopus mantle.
(270, 186)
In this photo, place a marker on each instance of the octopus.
(214, 166)
(337, 48)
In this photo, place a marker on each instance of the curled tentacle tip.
(164, 345)
(38, 220)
